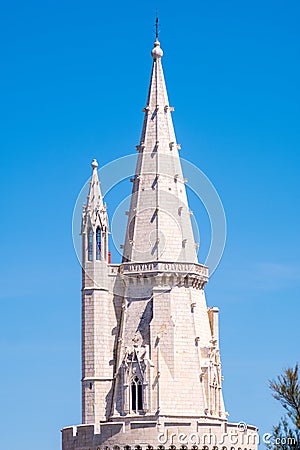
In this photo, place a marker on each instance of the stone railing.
(113, 269)
(164, 267)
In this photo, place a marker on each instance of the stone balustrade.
(164, 267)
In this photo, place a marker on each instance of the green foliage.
(286, 389)
(284, 437)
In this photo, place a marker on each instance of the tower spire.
(159, 224)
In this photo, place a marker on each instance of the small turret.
(97, 307)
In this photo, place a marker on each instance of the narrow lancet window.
(90, 245)
(136, 395)
(98, 244)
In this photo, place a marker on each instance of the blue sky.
(73, 80)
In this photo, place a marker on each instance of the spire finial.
(94, 164)
(157, 51)
(156, 26)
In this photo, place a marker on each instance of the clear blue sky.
(73, 81)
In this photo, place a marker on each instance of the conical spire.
(159, 226)
(94, 199)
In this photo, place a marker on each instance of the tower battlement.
(172, 435)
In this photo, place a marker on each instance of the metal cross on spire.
(156, 26)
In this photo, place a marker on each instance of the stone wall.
(167, 434)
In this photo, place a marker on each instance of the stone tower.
(151, 370)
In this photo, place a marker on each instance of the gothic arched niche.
(135, 381)
(136, 394)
